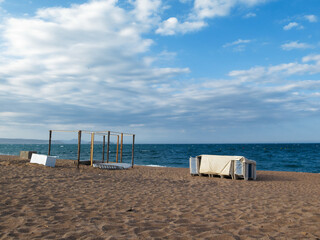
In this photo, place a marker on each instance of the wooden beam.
(49, 147)
(117, 156)
(132, 161)
(91, 150)
(79, 147)
(121, 148)
(103, 147)
(65, 131)
(108, 146)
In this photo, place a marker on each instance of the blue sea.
(274, 157)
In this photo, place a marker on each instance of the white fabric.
(216, 164)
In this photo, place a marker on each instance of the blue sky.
(184, 71)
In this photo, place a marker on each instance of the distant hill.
(37, 141)
(25, 141)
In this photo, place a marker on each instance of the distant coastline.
(75, 141)
(23, 141)
(38, 141)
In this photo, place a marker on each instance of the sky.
(178, 71)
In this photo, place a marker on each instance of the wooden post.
(108, 144)
(132, 161)
(121, 147)
(79, 147)
(117, 148)
(91, 150)
(103, 146)
(233, 166)
(49, 147)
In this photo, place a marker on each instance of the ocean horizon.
(293, 157)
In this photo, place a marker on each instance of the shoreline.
(64, 202)
(150, 165)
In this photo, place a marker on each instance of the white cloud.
(295, 45)
(277, 72)
(238, 45)
(256, 94)
(250, 15)
(137, 125)
(237, 42)
(83, 58)
(249, 75)
(90, 66)
(12, 114)
(311, 58)
(209, 9)
(292, 25)
(172, 26)
(168, 27)
(311, 18)
(146, 11)
(203, 9)
(220, 8)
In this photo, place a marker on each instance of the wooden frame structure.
(103, 134)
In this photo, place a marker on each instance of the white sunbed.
(233, 166)
(112, 166)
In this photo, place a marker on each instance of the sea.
(293, 157)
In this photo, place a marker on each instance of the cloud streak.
(311, 18)
(295, 45)
(292, 25)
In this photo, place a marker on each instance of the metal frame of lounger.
(109, 166)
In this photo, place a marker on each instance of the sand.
(38, 202)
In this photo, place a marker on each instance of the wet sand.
(38, 202)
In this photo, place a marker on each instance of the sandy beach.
(38, 202)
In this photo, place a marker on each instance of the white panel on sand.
(49, 161)
(238, 168)
(194, 165)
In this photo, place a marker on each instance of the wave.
(150, 165)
